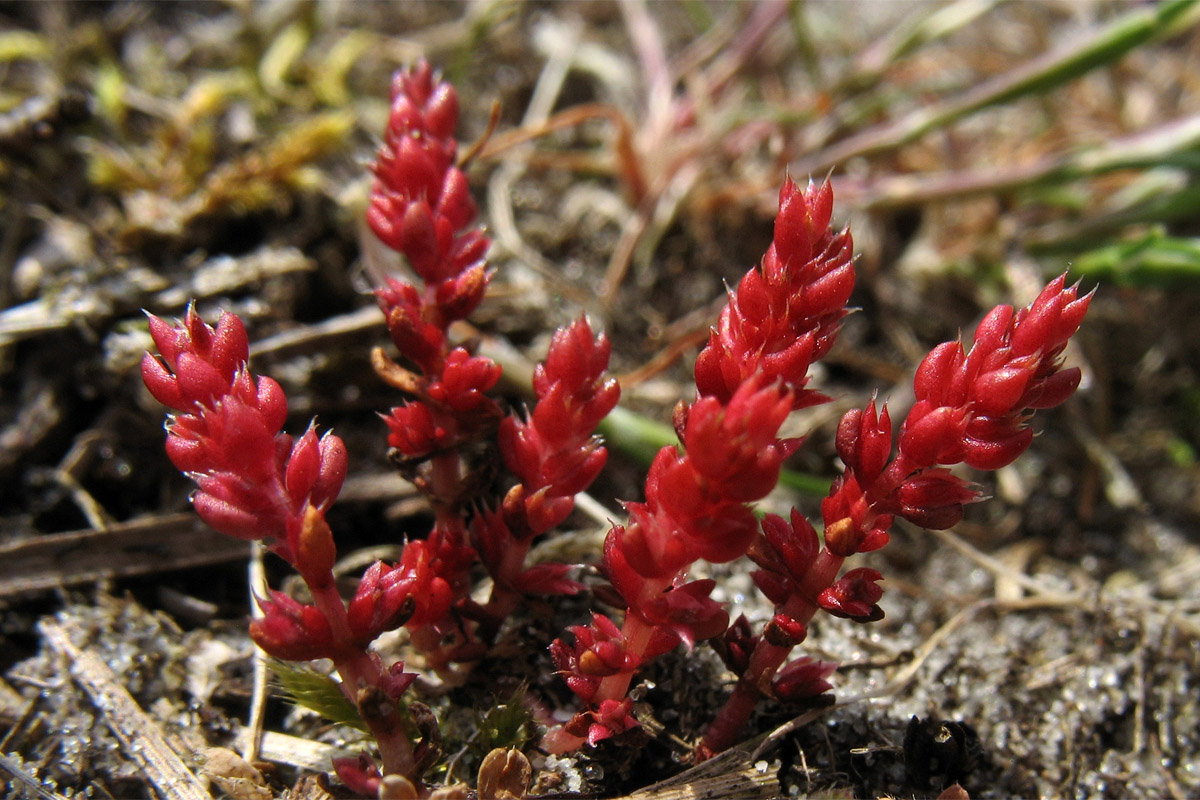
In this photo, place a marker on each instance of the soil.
(157, 154)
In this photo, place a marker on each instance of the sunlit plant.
(973, 406)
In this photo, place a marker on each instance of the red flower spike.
(291, 630)
(609, 718)
(785, 631)
(554, 453)
(785, 315)
(803, 219)
(211, 359)
(934, 498)
(1048, 322)
(970, 407)
(359, 773)
(739, 643)
(577, 358)
(855, 596)
(752, 373)
(802, 679)
(791, 546)
(421, 203)
(252, 480)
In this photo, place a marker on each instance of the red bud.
(854, 596)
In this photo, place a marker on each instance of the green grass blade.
(634, 435)
(1104, 46)
(1174, 144)
(1153, 260)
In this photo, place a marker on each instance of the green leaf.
(508, 725)
(317, 692)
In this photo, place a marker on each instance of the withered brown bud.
(504, 775)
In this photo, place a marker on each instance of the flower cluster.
(421, 207)
(554, 456)
(256, 482)
(751, 374)
(784, 315)
(971, 407)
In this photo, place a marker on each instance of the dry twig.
(144, 741)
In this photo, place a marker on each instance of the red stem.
(636, 634)
(767, 658)
(360, 671)
(724, 730)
